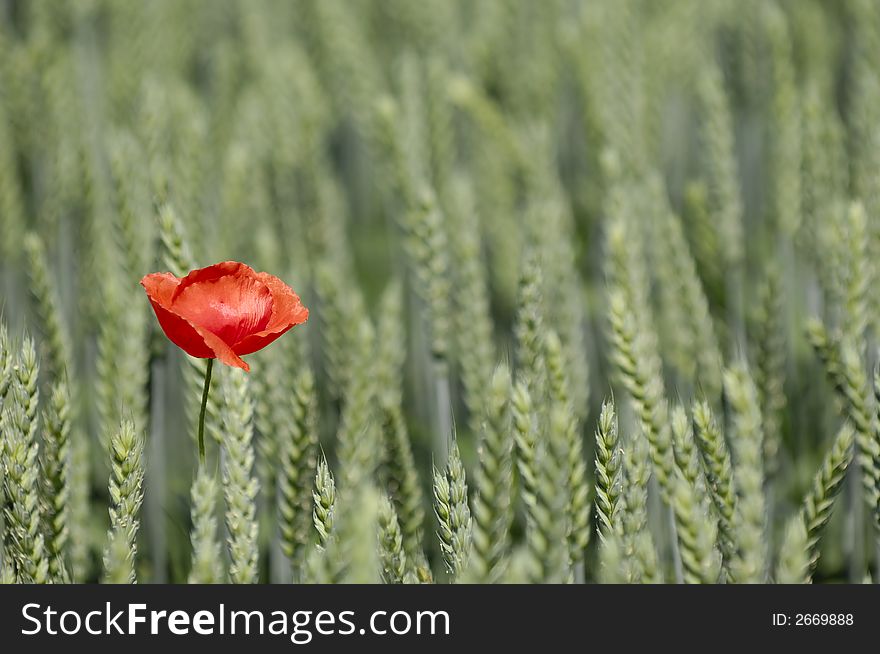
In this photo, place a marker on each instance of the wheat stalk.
(612, 569)
(473, 333)
(207, 563)
(687, 458)
(267, 390)
(240, 487)
(539, 473)
(529, 331)
(492, 507)
(609, 473)
(58, 359)
(697, 534)
(425, 239)
(80, 510)
(749, 563)
(718, 471)
(126, 493)
(353, 553)
(324, 498)
(336, 302)
(498, 156)
(56, 462)
(24, 544)
(634, 352)
(848, 377)
(769, 368)
(550, 226)
(644, 386)
(403, 484)
(571, 451)
(640, 554)
(786, 121)
(825, 174)
(794, 559)
(690, 342)
(399, 468)
(720, 156)
(357, 436)
(391, 552)
(827, 484)
(453, 513)
(298, 460)
(854, 274)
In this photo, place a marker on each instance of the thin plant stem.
(202, 411)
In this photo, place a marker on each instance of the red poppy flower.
(224, 311)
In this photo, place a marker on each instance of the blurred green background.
(295, 135)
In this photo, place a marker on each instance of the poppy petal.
(286, 305)
(223, 311)
(216, 271)
(182, 333)
(195, 341)
(222, 351)
(287, 312)
(229, 306)
(160, 287)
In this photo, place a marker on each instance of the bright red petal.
(231, 306)
(222, 351)
(160, 287)
(218, 270)
(287, 312)
(193, 340)
(223, 311)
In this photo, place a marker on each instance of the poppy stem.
(208, 372)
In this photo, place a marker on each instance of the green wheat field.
(594, 290)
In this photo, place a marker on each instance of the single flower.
(224, 311)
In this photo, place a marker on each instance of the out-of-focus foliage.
(505, 215)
